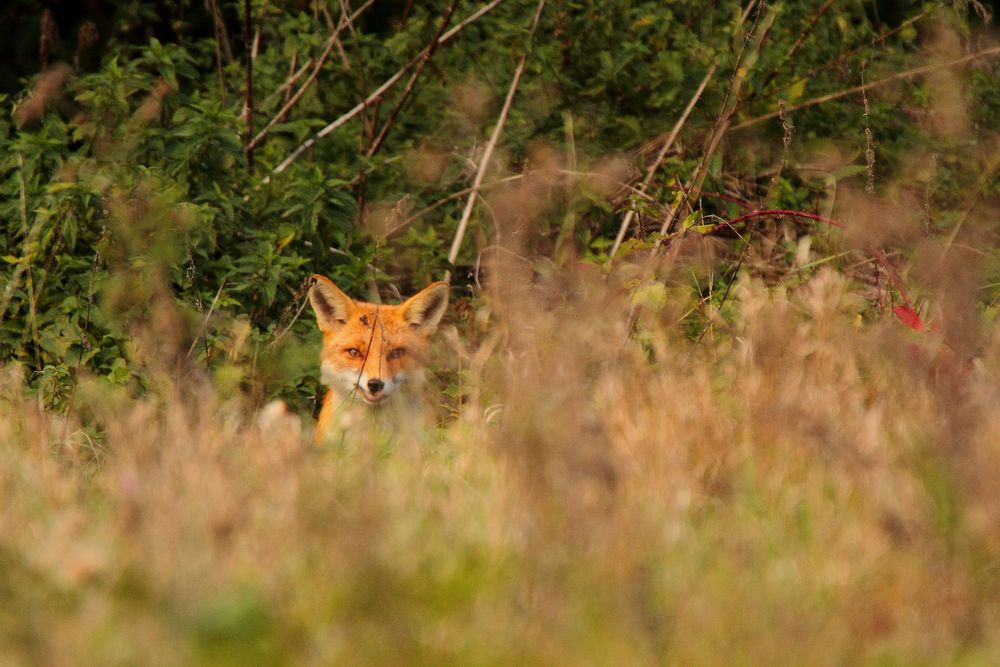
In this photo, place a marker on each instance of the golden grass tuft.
(802, 490)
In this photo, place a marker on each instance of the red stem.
(782, 212)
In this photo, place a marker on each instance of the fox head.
(370, 350)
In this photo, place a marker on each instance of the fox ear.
(331, 305)
(425, 309)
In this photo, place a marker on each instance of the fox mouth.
(376, 399)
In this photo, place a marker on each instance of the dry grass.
(800, 490)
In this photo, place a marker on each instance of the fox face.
(371, 350)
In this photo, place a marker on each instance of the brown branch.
(327, 48)
(428, 52)
(749, 51)
(249, 84)
(808, 31)
(296, 73)
(28, 250)
(463, 224)
(908, 74)
(776, 213)
(388, 83)
(500, 181)
(800, 40)
(671, 138)
(217, 21)
(847, 54)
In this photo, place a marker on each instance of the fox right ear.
(331, 305)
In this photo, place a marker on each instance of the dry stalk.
(869, 142)
(85, 345)
(327, 48)
(249, 55)
(377, 93)
(908, 74)
(667, 145)
(27, 261)
(428, 52)
(295, 74)
(839, 60)
(985, 178)
(800, 40)
(463, 223)
(500, 181)
(219, 38)
(208, 316)
(749, 52)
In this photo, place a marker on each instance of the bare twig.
(463, 223)
(507, 179)
(204, 323)
(667, 144)
(361, 106)
(808, 31)
(327, 48)
(345, 11)
(876, 253)
(248, 51)
(841, 58)
(799, 41)
(217, 22)
(749, 52)
(908, 74)
(776, 213)
(426, 56)
(444, 200)
(85, 345)
(27, 262)
(986, 177)
(294, 76)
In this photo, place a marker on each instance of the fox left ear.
(425, 309)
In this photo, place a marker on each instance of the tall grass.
(801, 490)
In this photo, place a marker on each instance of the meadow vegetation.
(718, 384)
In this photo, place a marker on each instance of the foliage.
(134, 171)
(765, 419)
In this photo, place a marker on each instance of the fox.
(373, 355)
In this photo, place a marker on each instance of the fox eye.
(354, 352)
(397, 353)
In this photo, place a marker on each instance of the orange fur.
(371, 352)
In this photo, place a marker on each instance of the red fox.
(371, 353)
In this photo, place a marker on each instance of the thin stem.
(361, 106)
(908, 74)
(747, 57)
(428, 52)
(463, 223)
(667, 145)
(248, 51)
(327, 48)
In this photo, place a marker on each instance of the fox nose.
(375, 386)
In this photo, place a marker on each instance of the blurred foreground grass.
(806, 491)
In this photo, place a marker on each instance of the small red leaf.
(909, 317)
